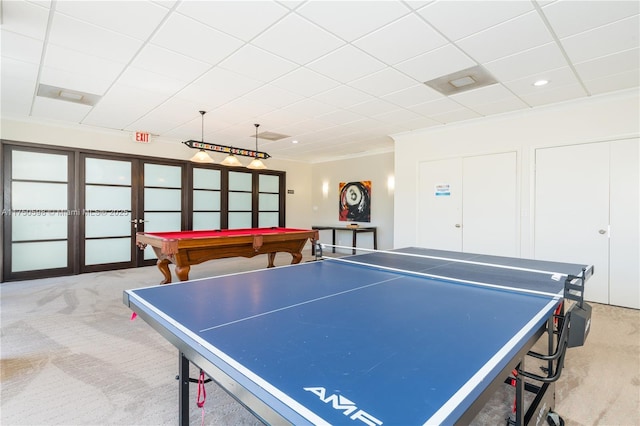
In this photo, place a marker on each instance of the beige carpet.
(70, 355)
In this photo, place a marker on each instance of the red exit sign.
(142, 137)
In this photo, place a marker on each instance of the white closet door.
(624, 277)
(572, 210)
(490, 204)
(440, 205)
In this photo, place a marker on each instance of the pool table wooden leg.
(271, 257)
(163, 265)
(297, 257)
(183, 272)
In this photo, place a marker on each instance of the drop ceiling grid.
(308, 66)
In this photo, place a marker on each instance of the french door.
(120, 197)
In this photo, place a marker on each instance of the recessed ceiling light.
(540, 83)
(294, 141)
(461, 82)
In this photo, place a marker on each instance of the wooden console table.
(354, 232)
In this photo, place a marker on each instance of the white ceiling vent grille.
(460, 81)
(271, 136)
(67, 95)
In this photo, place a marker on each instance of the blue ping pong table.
(403, 337)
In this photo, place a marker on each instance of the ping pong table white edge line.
(458, 280)
(448, 407)
(424, 256)
(284, 398)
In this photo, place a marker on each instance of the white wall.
(378, 169)
(595, 119)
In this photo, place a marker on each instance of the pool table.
(186, 248)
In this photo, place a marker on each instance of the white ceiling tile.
(384, 82)
(295, 39)
(345, 19)
(20, 47)
(92, 40)
(242, 19)
(25, 18)
(563, 15)
(150, 81)
(610, 83)
(501, 106)
(59, 60)
(483, 95)
(189, 37)
(521, 33)
(559, 94)
(430, 109)
(218, 86)
(309, 108)
(455, 115)
(397, 116)
(401, 40)
(340, 116)
(82, 82)
(346, 64)
(628, 60)
(414, 95)
(436, 63)
(459, 19)
(16, 98)
(134, 18)
(343, 96)
(373, 107)
(116, 109)
(59, 110)
(257, 64)
(17, 70)
(305, 82)
(169, 64)
(173, 113)
(531, 61)
(605, 40)
(272, 95)
(557, 78)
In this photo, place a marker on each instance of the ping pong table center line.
(327, 296)
(451, 279)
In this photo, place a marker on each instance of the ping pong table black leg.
(183, 391)
(519, 414)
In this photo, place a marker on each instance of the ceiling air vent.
(68, 95)
(271, 136)
(460, 81)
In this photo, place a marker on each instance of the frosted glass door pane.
(269, 183)
(39, 196)
(38, 166)
(268, 201)
(34, 256)
(45, 227)
(162, 222)
(267, 220)
(206, 179)
(206, 200)
(239, 181)
(107, 198)
(165, 176)
(107, 171)
(108, 225)
(239, 220)
(162, 199)
(203, 221)
(239, 201)
(110, 250)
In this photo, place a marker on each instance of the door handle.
(602, 231)
(458, 225)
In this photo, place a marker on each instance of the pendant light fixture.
(231, 160)
(202, 156)
(256, 163)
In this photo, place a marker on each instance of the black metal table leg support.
(183, 392)
(519, 414)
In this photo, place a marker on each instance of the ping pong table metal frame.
(270, 410)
